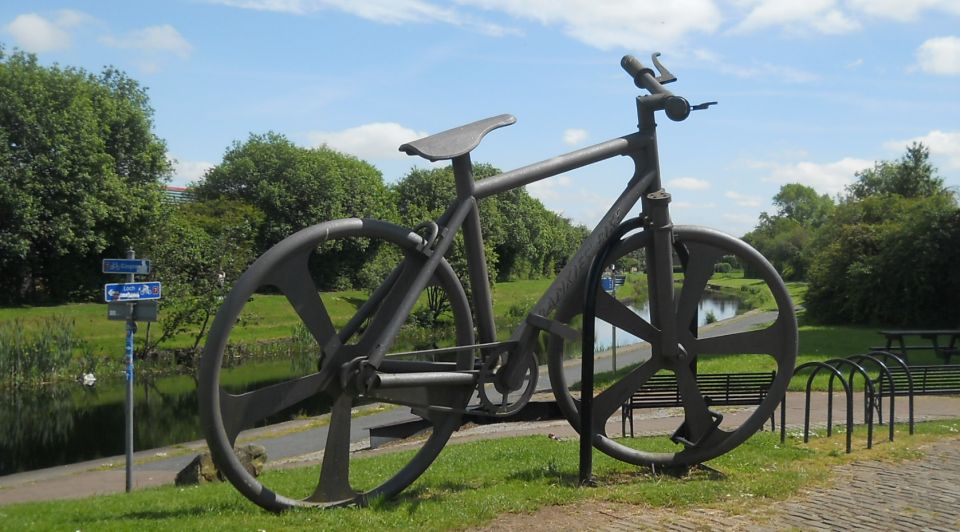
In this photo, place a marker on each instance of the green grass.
(470, 484)
(266, 317)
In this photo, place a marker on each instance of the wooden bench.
(927, 380)
(718, 389)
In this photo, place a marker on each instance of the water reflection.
(720, 308)
(68, 423)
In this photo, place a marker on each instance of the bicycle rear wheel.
(702, 436)
(294, 268)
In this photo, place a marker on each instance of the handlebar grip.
(635, 68)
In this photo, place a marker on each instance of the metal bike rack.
(884, 372)
(589, 332)
(868, 393)
(806, 411)
(906, 370)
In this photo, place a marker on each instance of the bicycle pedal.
(680, 437)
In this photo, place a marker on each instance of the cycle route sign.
(134, 266)
(131, 292)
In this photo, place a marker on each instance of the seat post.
(476, 258)
(463, 176)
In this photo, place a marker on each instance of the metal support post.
(131, 329)
(613, 274)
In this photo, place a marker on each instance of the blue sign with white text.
(606, 283)
(135, 266)
(131, 291)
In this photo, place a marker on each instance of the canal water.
(720, 307)
(68, 423)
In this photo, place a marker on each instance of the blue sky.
(810, 91)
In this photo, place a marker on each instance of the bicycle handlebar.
(677, 108)
(642, 76)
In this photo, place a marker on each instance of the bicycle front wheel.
(705, 432)
(339, 335)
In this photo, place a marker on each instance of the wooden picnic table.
(932, 335)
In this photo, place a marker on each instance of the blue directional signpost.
(131, 291)
(130, 301)
(134, 266)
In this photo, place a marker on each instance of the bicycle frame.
(464, 213)
(439, 393)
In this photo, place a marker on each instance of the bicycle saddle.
(457, 141)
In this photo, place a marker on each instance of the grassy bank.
(472, 483)
(268, 317)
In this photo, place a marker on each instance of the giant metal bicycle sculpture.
(355, 364)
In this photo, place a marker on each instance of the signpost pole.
(613, 274)
(131, 329)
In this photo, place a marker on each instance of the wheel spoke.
(608, 401)
(612, 311)
(697, 418)
(293, 280)
(763, 341)
(698, 271)
(334, 484)
(242, 411)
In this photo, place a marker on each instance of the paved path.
(921, 494)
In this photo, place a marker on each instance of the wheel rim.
(285, 267)
(778, 341)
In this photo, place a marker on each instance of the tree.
(888, 260)
(803, 205)
(911, 177)
(295, 187)
(424, 195)
(82, 176)
(784, 238)
(198, 252)
(888, 254)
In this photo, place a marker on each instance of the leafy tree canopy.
(296, 187)
(784, 237)
(912, 176)
(82, 175)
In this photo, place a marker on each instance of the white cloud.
(163, 38)
(551, 189)
(36, 34)
(941, 144)
(379, 140)
(746, 220)
(754, 70)
(382, 11)
(940, 55)
(574, 136)
(821, 16)
(742, 200)
(689, 205)
(185, 172)
(903, 10)
(826, 178)
(688, 183)
(70, 18)
(631, 24)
